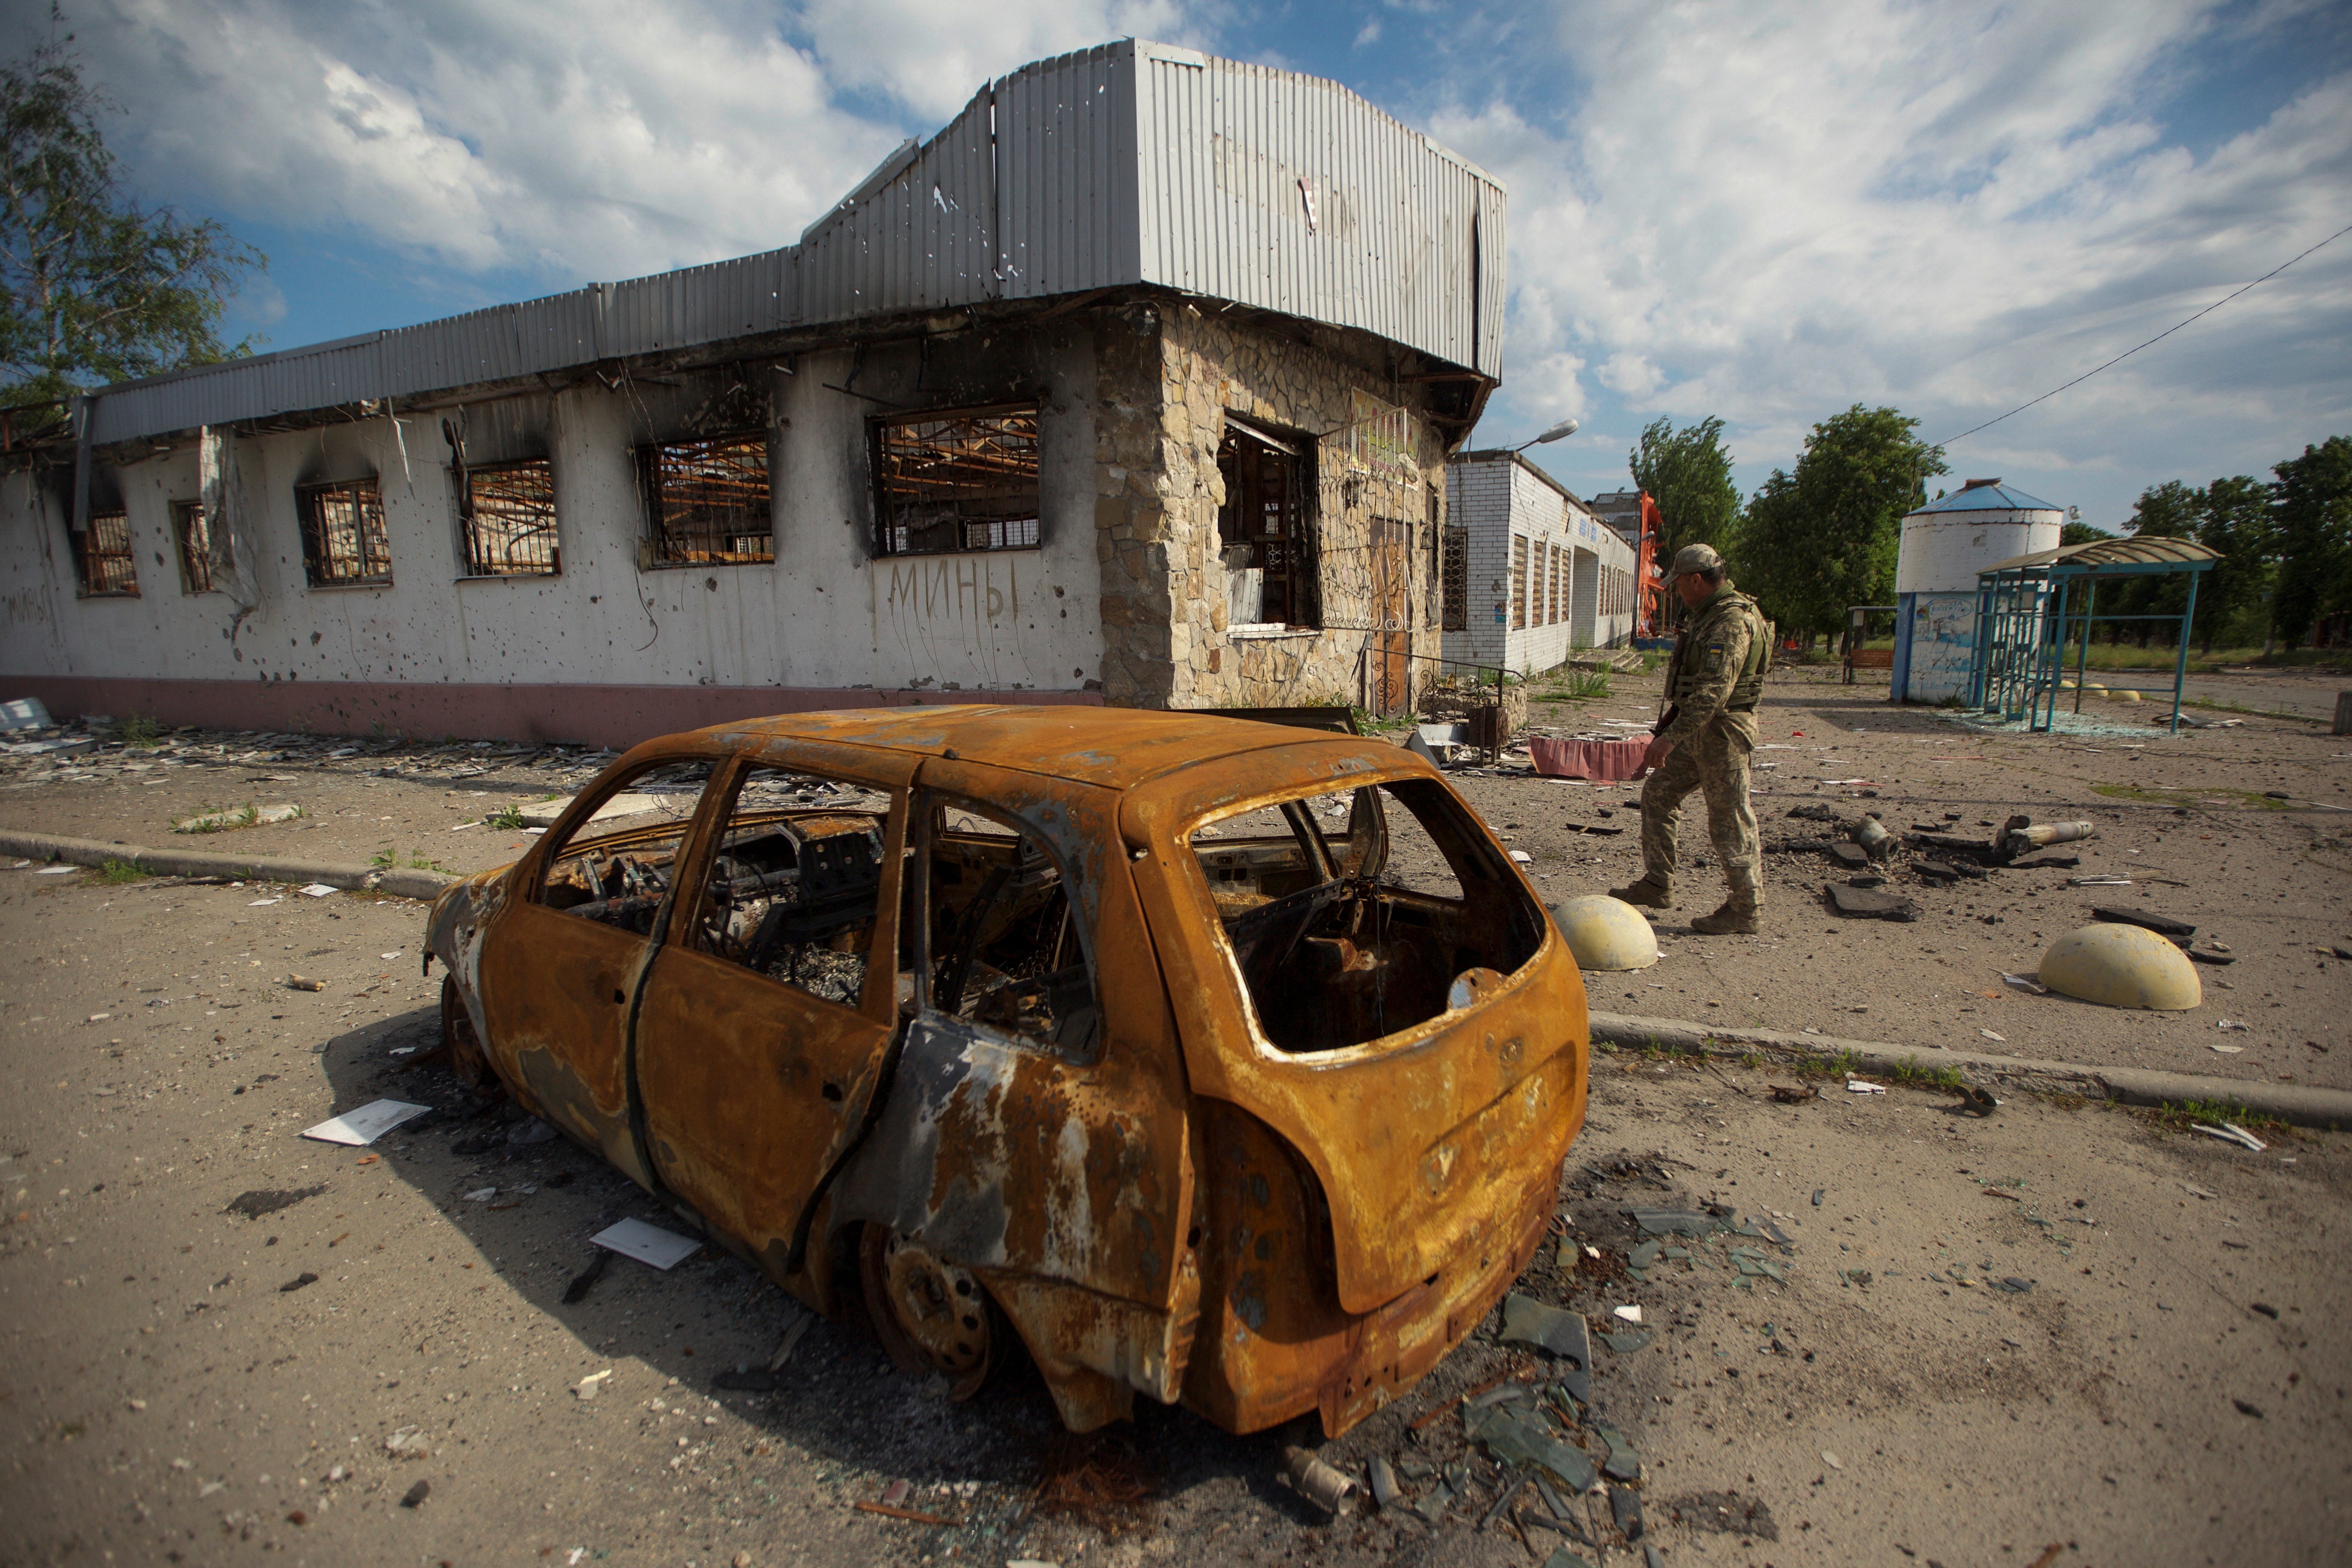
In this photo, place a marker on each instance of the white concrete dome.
(1606, 933)
(2122, 966)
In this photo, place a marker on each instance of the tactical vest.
(1683, 679)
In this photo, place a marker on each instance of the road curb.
(2303, 1105)
(401, 880)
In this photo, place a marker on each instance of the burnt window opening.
(1456, 574)
(192, 534)
(707, 501)
(103, 565)
(344, 538)
(950, 482)
(506, 517)
(1269, 511)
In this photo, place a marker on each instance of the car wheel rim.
(931, 1315)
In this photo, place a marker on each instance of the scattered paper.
(2023, 983)
(1863, 1086)
(258, 903)
(1523, 857)
(2228, 1050)
(387, 957)
(649, 1244)
(365, 1125)
(481, 1194)
(1630, 1314)
(2099, 881)
(1832, 1460)
(2235, 1024)
(1989, 1034)
(55, 870)
(586, 1387)
(318, 889)
(2231, 1132)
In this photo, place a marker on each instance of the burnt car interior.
(619, 876)
(796, 881)
(1353, 916)
(1004, 947)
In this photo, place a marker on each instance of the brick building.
(1530, 574)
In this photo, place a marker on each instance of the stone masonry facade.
(1164, 387)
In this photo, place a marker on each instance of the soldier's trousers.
(1714, 762)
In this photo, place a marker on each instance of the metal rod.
(2181, 660)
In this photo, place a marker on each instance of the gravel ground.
(2027, 1332)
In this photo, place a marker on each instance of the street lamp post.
(1560, 431)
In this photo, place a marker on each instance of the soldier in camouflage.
(1704, 740)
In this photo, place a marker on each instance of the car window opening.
(1004, 947)
(796, 882)
(1354, 916)
(616, 872)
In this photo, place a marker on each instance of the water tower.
(1944, 545)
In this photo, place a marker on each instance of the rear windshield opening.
(1353, 916)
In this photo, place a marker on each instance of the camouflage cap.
(1695, 558)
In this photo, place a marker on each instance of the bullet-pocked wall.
(610, 645)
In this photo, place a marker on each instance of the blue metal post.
(2180, 664)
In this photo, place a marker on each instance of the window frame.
(89, 564)
(893, 537)
(195, 563)
(1518, 586)
(368, 519)
(656, 553)
(1291, 555)
(471, 557)
(1454, 570)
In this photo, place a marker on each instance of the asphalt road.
(214, 1328)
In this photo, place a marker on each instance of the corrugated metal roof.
(1129, 163)
(2152, 551)
(1993, 497)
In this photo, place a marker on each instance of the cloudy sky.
(1765, 211)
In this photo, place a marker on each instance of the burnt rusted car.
(1218, 1061)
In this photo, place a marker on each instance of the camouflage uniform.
(1712, 682)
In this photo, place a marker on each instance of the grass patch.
(1845, 1063)
(1579, 686)
(2180, 1114)
(1910, 1073)
(2191, 798)
(505, 819)
(140, 731)
(118, 873)
(221, 819)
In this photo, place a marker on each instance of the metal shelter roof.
(1985, 495)
(2129, 554)
(1129, 164)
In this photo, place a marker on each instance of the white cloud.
(586, 138)
(1767, 213)
(1370, 33)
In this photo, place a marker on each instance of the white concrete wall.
(1497, 499)
(824, 614)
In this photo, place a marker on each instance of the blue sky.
(1763, 212)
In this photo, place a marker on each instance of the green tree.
(1688, 474)
(2081, 533)
(1823, 537)
(2235, 520)
(94, 288)
(2311, 507)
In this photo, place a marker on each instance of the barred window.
(708, 501)
(506, 515)
(1456, 573)
(1557, 578)
(947, 482)
(343, 539)
(1519, 583)
(103, 567)
(192, 532)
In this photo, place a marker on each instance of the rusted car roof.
(1111, 748)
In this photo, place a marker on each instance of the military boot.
(1735, 918)
(1646, 894)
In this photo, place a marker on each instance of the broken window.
(506, 517)
(1005, 951)
(946, 482)
(1270, 491)
(343, 539)
(616, 867)
(708, 501)
(1519, 583)
(103, 565)
(1353, 916)
(1455, 572)
(796, 883)
(191, 535)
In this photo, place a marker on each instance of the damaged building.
(1136, 385)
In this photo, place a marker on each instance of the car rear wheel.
(931, 1315)
(467, 1061)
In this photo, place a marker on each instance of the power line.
(2157, 338)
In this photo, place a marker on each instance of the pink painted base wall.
(599, 715)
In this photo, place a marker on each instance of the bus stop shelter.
(2030, 606)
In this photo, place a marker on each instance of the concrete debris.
(1869, 904)
(2231, 1132)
